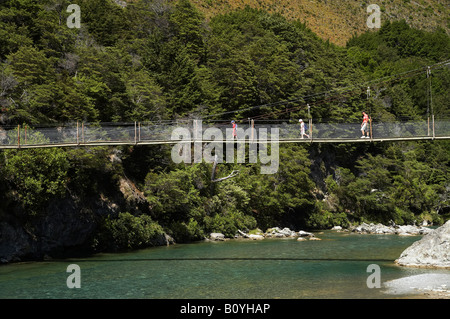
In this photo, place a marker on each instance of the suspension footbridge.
(114, 134)
(258, 129)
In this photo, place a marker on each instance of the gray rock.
(410, 230)
(217, 236)
(280, 233)
(433, 250)
(288, 233)
(256, 237)
(407, 230)
(302, 233)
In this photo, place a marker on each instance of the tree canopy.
(155, 60)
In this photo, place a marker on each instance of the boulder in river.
(302, 233)
(433, 250)
(276, 232)
(256, 237)
(406, 230)
(410, 230)
(217, 236)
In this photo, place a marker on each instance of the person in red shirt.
(234, 129)
(364, 124)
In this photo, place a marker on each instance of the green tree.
(283, 198)
(188, 25)
(130, 232)
(35, 177)
(105, 20)
(147, 100)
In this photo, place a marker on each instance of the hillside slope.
(338, 20)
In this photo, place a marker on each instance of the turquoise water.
(335, 267)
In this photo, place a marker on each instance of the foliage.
(165, 60)
(34, 177)
(130, 232)
(392, 186)
(91, 171)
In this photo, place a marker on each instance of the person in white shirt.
(302, 128)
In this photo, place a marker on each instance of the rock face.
(64, 227)
(433, 250)
(67, 225)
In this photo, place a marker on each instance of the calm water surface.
(335, 267)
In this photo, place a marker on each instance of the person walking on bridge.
(234, 129)
(364, 125)
(302, 128)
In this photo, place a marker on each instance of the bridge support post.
(18, 136)
(135, 133)
(434, 133)
(310, 128)
(252, 130)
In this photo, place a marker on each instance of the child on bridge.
(302, 128)
(364, 124)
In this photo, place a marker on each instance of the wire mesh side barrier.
(135, 133)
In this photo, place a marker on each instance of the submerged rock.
(302, 233)
(437, 285)
(433, 250)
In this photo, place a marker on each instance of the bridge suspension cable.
(358, 88)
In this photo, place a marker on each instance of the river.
(335, 267)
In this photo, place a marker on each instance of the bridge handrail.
(134, 133)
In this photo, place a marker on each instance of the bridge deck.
(281, 141)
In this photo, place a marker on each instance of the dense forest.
(158, 61)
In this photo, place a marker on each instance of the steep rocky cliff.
(68, 226)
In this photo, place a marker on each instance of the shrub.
(128, 231)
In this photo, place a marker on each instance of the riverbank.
(364, 228)
(402, 230)
(258, 234)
